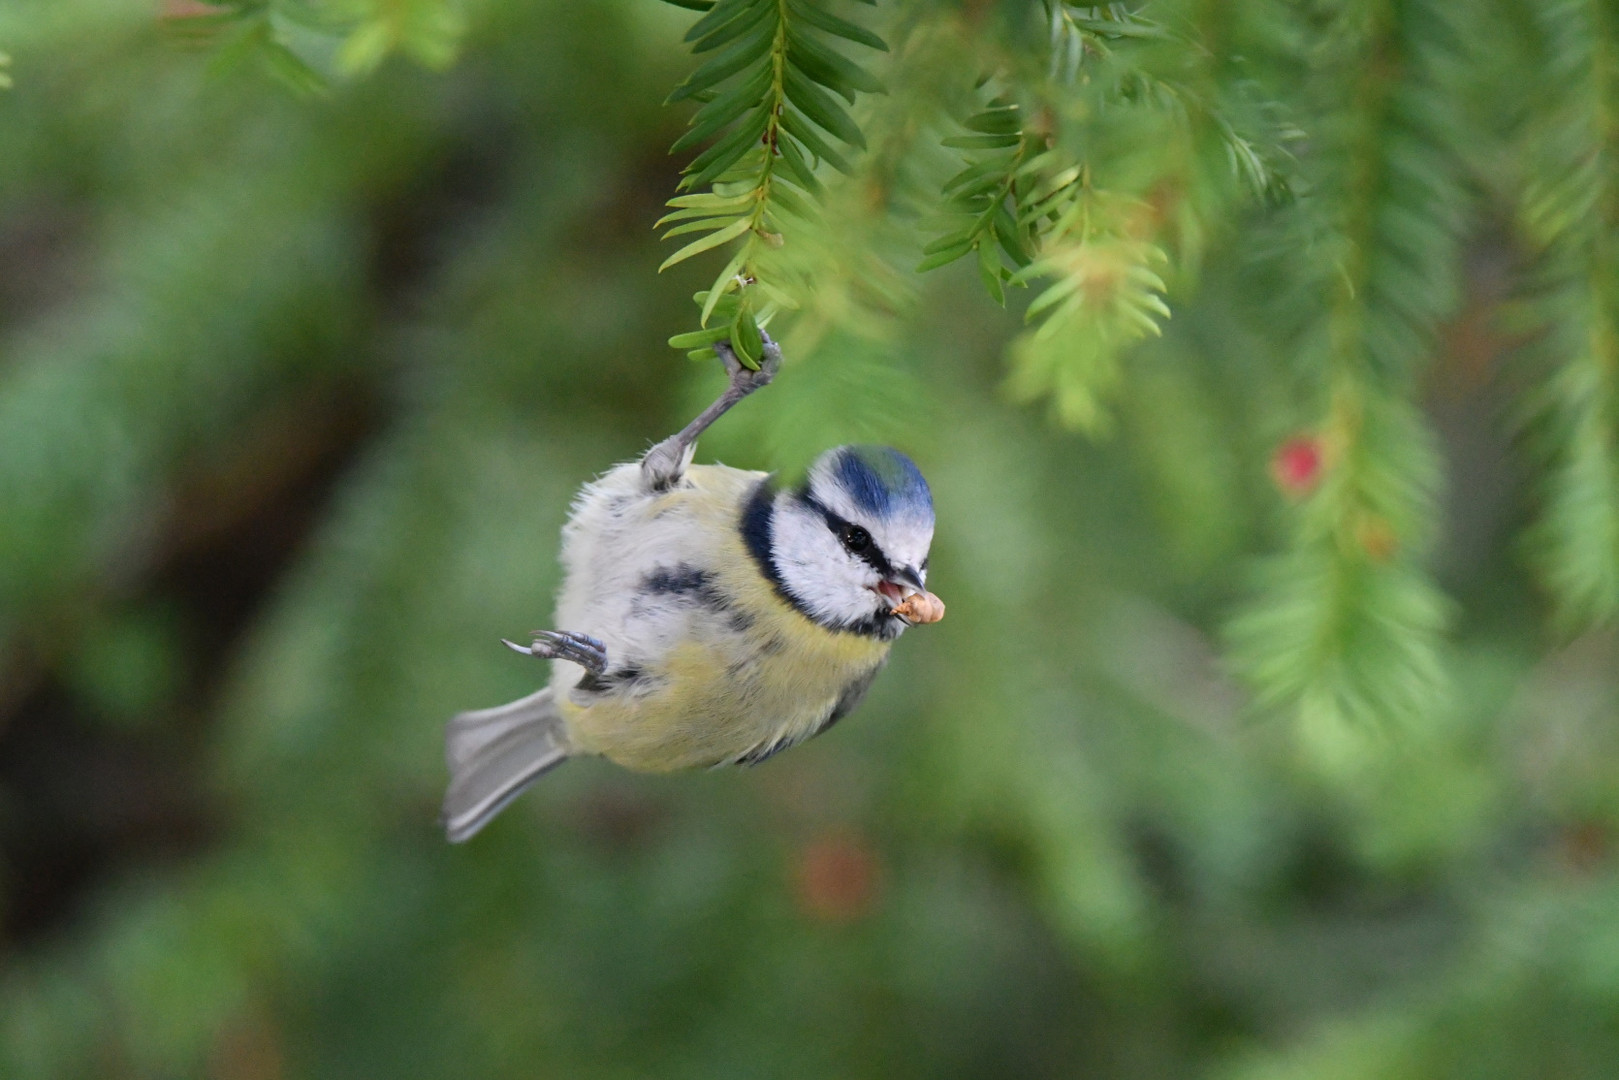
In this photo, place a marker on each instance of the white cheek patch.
(832, 585)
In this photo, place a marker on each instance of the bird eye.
(855, 539)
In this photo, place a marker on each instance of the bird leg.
(588, 652)
(663, 465)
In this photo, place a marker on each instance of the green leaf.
(820, 107)
(1144, 324)
(743, 175)
(725, 153)
(720, 13)
(735, 27)
(698, 338)
(691, 5)
(1060, 290)
(948, 255)
(989, 270)
(980, 142)
(997, 166)
(970, 197)
(783, 197)
(707, 200)
(746, 339)
(779, 298)
(1128, 27)
(728, 63)
(1041, 163)
(720, 291)
(686, 215)
(816, 145)
(742, 140)
(724, 306)
(713, 240)
(829, 68)
(706, 204)
(825, 20)
(705, 225)
(1012, 241)
(1033, 270)
(725, 108)
(1003, 121)
(949, 241)
(797, 165)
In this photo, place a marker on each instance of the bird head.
(852, 542)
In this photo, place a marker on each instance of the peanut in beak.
(921, 607)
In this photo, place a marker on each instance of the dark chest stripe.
(608, 682)
(691, 584)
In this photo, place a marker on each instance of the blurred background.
(294, 392)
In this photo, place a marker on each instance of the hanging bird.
(708, 617)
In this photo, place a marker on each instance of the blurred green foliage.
(295, 388)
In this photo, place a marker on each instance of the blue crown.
(881, 481)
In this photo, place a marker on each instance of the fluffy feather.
(708, 663)
(738, 620)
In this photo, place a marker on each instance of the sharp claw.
(564, 645)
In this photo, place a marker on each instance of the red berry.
(1297, 464)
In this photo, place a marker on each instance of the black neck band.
(757, 527)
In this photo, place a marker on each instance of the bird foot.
(665, 463)
(745, 380)
(584, 650)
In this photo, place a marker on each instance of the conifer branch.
(1347, 625)
(1569, 210)
(770, 107)
(1037, 200)
(1101, 153)
(267, 34)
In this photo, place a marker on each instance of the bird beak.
(908, 578)
(916, 605)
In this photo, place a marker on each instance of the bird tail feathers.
(494, 755)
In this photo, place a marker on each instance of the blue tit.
(711, 618)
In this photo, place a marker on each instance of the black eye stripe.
(873, 555)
